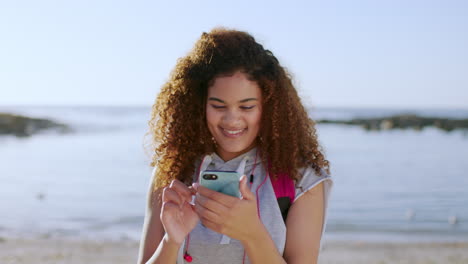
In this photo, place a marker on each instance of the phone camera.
(210, 177)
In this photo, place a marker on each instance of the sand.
(380, 253)
(54, 251)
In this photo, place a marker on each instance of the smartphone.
(226, 182)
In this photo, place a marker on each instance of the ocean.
(92, 183)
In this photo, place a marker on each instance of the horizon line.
(307, 106)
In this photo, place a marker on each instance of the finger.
(222, 198)
(244, 189)
(168, 208)
(192, 197)
(211, 225)
(192, 190)
(170, 195)
(210, 204)
(206, 213)
(188, 206)
(181, 189)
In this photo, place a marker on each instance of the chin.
(238, 148)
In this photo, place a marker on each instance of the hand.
(177, 214)
(228, 215)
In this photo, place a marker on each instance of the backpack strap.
(285, 192)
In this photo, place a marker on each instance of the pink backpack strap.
(285, 192)
(284, 186)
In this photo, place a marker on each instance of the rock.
(40, 196)
(452, 219)
(409, 214)
(22, 126)
(403, 122)
(386, 125)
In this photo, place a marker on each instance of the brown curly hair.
(178, 126)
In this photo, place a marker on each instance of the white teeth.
(233, 131)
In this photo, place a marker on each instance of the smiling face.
(233, 113)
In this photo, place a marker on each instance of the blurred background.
(97, 66)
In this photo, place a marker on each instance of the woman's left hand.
(228, 215)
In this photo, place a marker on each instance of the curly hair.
(178, 126)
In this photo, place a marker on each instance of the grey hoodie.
(208, 247)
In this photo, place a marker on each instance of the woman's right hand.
(177, 214)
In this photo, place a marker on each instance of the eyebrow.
(241, 101)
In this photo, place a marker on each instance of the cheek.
(211, 118)
(255, 119)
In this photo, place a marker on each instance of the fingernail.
(242, 177)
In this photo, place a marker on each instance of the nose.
(231, 118)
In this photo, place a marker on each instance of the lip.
(236, 135)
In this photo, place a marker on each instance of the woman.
(229, 105)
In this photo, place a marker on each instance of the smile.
(233, 133)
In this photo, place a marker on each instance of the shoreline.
(329, 236)
(59, 250)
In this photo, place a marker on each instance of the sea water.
(93, 182)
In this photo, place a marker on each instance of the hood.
(239, 164)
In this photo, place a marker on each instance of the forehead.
(234, 87)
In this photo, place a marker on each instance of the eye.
(218, 106)
(247, 107)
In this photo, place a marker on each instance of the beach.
(354, 252)
(68, 251)
(80, 197)
(58, 251)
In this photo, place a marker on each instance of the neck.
(227, 156)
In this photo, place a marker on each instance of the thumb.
(244, 189)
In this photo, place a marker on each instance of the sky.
(389, 54)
